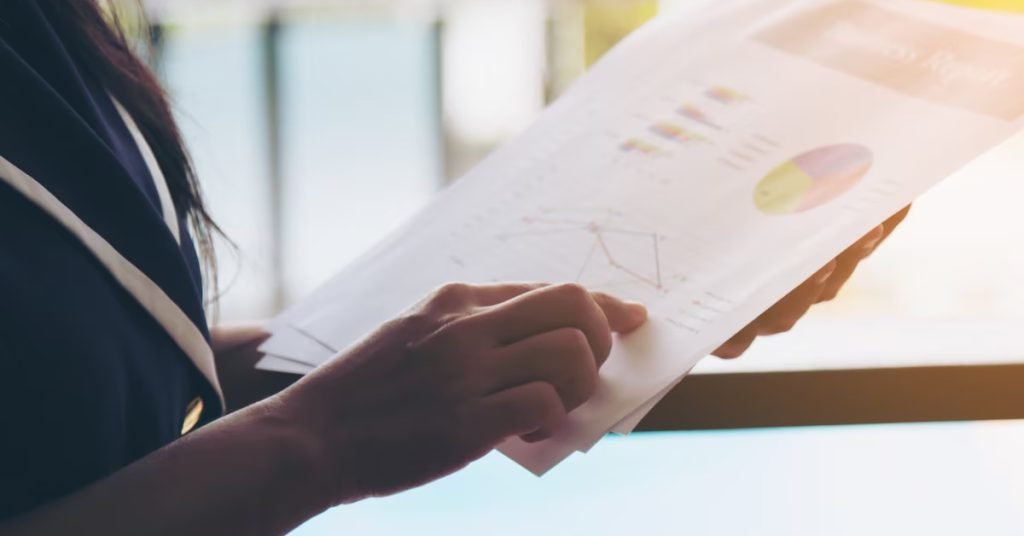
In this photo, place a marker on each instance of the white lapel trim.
(170, 214)
(152, 298)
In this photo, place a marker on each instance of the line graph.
(614, 253)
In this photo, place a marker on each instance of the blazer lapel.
(49, 154)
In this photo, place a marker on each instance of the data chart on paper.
(699, 184)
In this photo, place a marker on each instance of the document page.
(705, 167)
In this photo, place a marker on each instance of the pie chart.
(813, 178)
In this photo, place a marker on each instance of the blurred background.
(318, 126)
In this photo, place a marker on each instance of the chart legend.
(725, 95)
(697, 115)
(675, 133)
(636, 145)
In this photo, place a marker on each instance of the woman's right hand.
(441, 386)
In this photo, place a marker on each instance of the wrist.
(297, 455)
(315, 453)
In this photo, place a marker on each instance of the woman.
(106, 362)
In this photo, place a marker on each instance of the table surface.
(935, 479)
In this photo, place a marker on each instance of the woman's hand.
(822, 286)
(444, 384)
(421, 397)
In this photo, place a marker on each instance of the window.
(378, 105)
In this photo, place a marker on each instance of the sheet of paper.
(291, 344)
(705, 167)
(273, 363)
(631, 421)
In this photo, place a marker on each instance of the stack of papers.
(706, 167)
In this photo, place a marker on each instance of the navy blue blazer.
(103, 338)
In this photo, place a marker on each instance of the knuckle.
(573, 293)
(436, 331)
(451, 296)
(790, 322)
(548, 402)
(414, 326)
(528, 286)
(572, 341)
(778, 325)
(574, 353)
(828, 295)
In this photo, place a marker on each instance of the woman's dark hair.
(97, 41)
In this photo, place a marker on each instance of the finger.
(852, 257)
(894, 221)
(488, 295)
(781, 317)
(533, 410)
(623, 317)
(784, 315)
(560, 358)
(867, 244)
(738, 344)
(548, 309)
(848, 262)
(456, 297)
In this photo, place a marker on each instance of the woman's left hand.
(822, 286)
